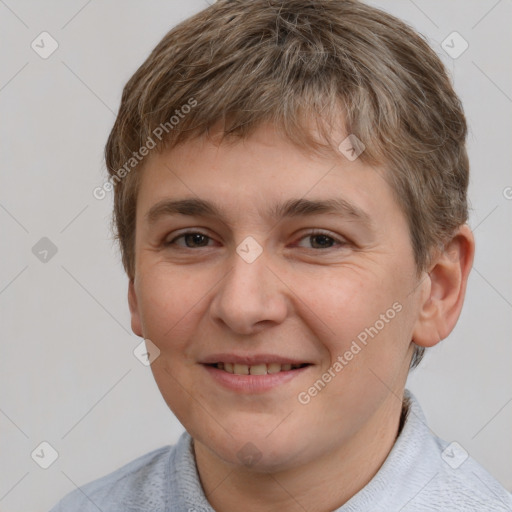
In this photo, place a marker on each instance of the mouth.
(257, 369)
(253, 374)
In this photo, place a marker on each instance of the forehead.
(265, 174)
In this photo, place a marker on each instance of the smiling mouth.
(257, 369)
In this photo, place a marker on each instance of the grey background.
(67, 372)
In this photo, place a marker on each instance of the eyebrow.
(291, 208)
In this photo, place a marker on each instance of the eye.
(322, 240)
(196, 239)
(192, 239)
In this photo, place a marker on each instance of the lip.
(252, 384)
(250, 359)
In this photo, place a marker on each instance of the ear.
(134, 309)
(445, 289)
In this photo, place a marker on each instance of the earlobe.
(134, 309)
(445, 289)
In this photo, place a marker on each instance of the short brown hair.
(290, 62)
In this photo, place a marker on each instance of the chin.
(257, 449)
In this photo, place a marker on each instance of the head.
(252, 107)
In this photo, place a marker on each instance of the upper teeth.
(256, 369)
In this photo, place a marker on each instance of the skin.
(305, 297)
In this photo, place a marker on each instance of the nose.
(251, 296)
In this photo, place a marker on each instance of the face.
(282, 296)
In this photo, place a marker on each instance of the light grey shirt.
(421, 473)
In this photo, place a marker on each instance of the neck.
(323, 484)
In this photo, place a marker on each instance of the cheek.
(170, 302)
(362, 308)
(344, 301)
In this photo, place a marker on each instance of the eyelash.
(311, 234)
